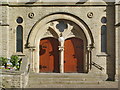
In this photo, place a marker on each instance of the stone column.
(31, 57)
(117, 42)
(61, 58)
(61, 54)
(89, 58)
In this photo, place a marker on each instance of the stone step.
(71, 86)
(45, 78)
(102, 84)
(64, 79)
(59, 75)
(63, 82)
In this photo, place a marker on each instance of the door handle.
(64, 61)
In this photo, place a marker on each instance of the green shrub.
(14, 60)
(3, 61)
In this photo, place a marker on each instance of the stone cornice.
(56, 3)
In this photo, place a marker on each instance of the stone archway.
(47, 28)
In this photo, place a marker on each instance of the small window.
(103, 38)
(19, 39)
(19, 20)
(61, 26)
(104, 20)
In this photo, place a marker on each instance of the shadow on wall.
(110, 14)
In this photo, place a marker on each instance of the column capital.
(90, 47)
(32, 48)
(61, 48)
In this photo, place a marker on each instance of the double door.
(49, 55)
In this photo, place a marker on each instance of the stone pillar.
(117, 52)
(89, 48)
(117, 42)
(32, 58)
(61, 58)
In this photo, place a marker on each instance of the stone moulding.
(13, 79)
(40, 28)
(49, 18)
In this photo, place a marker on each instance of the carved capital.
(90, 47)
(61, 48)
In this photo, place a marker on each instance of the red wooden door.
(73, 59)
(49, 55)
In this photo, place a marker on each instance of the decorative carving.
(47, 33)
(90, 47)
(75, 32)
(71, 33)
(51, 23)
(90, 14)
(61, 48)
(61, 26)
(31, 15)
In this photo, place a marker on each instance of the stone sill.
(102, 55)
(19, 54)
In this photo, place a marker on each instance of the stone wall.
(12, 11)
(13, 79)
(117, 39)
(4, 29)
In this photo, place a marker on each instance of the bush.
(3, 61)
(14, 60)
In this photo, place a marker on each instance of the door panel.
(73, 59)
(49, 56)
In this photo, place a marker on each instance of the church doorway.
(49, 55)
(73, 55)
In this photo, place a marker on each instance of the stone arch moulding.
(41, 27)
(38, 27)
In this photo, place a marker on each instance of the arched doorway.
(49, 55)
(73, 55)
(46, 27)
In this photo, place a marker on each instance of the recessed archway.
(42, 29)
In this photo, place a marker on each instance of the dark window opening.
(103, 38)
(61, 26)
(19, 39)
